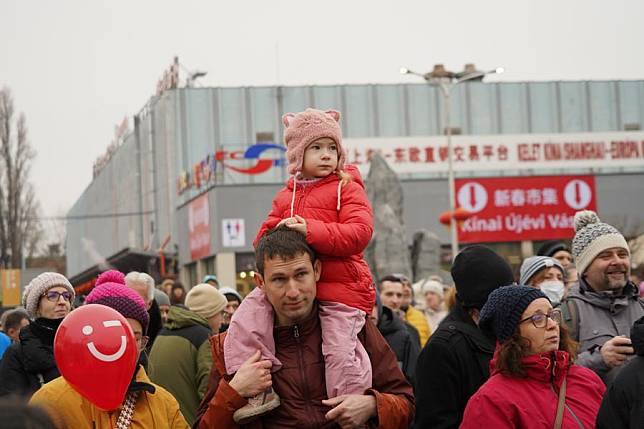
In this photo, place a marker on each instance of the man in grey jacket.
(604, 304)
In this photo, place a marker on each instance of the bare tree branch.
(20, 232)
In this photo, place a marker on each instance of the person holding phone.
(604, 304)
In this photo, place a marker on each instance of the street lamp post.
(446, 80)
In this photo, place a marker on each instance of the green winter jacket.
(180, 359)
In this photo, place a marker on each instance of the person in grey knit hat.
(163, 301)
(592, 237)
(36, 290)
(601, 308)
(28, 364)
(546, 274)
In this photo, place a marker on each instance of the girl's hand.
(288, 221)
(299, 225)
(253, 377)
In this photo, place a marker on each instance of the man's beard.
(615, 284)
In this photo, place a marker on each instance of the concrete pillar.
(527, 249)
(201, 270)
(226, 271)
(184, 277)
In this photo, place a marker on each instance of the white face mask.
(554, 290)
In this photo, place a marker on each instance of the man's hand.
(616, 350)
(351, 411)
(253, 377)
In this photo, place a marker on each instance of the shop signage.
(10, 280)
(199, 227)
(203, 172)
(170, 78)
(233, 233)
(522, 208)
(528, 153)
(502, 152)
(120, 132)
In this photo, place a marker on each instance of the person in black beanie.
(558, 250)
(455, 361)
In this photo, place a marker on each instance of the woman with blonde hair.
(546, 274)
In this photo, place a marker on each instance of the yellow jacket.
(68, 409)
(418, 320)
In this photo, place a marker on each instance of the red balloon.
(96, 353)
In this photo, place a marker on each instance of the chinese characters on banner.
(409, 155)
(522, 208)
(199, 227)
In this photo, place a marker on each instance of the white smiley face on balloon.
(88, 330)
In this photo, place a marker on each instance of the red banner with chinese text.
(522, 208)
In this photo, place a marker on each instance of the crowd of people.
(320, 343)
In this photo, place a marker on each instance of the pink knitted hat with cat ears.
(304, 128)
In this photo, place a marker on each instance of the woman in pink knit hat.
(146, 404)
(324, 200)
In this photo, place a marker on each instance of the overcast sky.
(76, 68)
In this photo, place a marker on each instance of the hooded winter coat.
(596, 318)
(531, 402)
(30, 363)
(339, 227)
(401, 342)
(453, 365)
(623, 406)
(155, 407)
(180, 359)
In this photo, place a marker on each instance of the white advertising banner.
(502, 152)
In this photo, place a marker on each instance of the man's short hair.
(13, 319)
(281, 242)
(388, 278)
(391, 278)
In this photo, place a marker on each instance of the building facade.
(195, 177)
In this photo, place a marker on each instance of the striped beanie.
(110, 290)
(534, 264)
(593, 237)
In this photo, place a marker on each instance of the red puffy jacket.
(531, 402)
(339, 227)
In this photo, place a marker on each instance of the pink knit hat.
(110, 290)
(304, 128)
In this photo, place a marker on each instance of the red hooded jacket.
(339, 227)
(531, 402)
